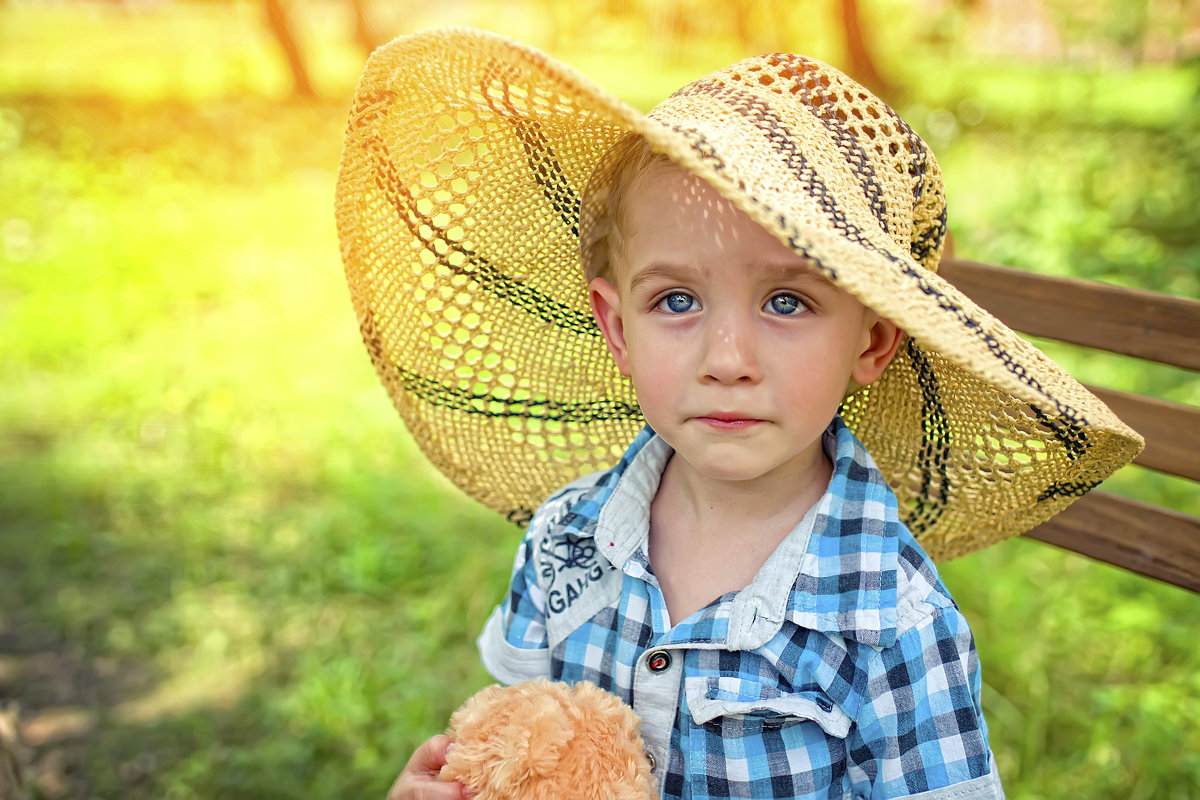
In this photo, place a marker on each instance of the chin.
(730, 469)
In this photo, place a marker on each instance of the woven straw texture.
(458, 205)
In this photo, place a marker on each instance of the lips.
(728, 420)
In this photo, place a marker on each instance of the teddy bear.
(547, 740)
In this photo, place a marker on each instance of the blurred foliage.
(225, 570)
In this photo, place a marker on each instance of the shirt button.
(650, 760)
(825, 703)
(658, 661)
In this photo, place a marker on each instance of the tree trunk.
(281, 26)
(858, 52)
(364, 32)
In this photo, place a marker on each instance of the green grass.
(219, 546)
(203, 483)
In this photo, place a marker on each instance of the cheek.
(657, 372)
(654, 373)
(657, 398)
(816, 369)
(649, 346)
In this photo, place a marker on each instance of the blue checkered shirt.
(844, 670)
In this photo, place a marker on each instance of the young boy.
(759, 256)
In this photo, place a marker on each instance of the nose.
(730, 349)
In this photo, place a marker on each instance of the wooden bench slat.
(1151, 541)
(1128, 321)
(1172, 431)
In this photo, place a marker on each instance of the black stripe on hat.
(818, 96)
(920, 155)
(1070, 423)
(746, 104)
(520, 516)
(708, 153)
(929, 241)
(475, 266)
(543, 163)
(487, 404)
(1067, 489)
(1067, 431)
(783, 141)
(935, 443)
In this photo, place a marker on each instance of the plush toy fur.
(544, 740)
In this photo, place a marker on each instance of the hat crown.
(815, 117)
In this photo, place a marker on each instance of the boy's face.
(739, 351)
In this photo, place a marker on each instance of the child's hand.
(419, 780)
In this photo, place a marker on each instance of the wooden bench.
(1144, 538)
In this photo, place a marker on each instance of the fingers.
(430, 757)
(419, 780)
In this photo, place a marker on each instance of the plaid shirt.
(844, 670)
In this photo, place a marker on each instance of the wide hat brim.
(458, 209)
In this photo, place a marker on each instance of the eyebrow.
(806, 271)
(660, 269)
(775, 271)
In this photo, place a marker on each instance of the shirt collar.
(835, 573)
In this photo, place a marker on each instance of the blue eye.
(678, 303)
(788, 305)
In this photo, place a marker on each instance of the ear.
(606, 308)
(881, 339)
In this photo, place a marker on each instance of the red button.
(658, 661)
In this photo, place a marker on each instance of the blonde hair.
(600, 241)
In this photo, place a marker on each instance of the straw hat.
(458, 208)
